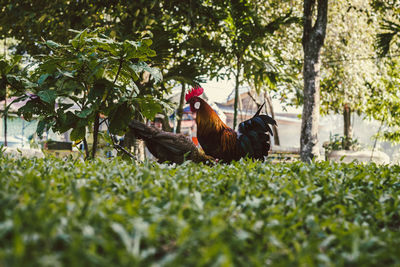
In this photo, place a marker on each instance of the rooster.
(168, 147)
(223, 143)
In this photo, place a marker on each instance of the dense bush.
(115, 213)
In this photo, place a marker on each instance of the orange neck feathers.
(207, 119)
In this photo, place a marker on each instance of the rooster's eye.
(197, 105)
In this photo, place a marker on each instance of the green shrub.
(337, 142)
(115, 213)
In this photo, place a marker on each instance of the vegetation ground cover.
(112, 212)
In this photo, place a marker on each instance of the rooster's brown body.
(222, 142)
(166, 146)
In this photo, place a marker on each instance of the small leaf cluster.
(63, 212)
(93, 74)
(8, 69)
(337, 142)
(384, 103)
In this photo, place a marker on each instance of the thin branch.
(376, 139)
(117, 146)
(121, 60)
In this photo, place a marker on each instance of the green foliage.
(178, 35)
(384, 102)
(52, 20)
(387, 41)
(347, 68)
(337, 142)
(59, 212)
(97, 74)
(8, 68)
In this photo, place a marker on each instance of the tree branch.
(121, 60)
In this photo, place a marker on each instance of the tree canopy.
(256, 42)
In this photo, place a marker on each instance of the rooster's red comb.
(194, 92)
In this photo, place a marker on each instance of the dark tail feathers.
(254, 135)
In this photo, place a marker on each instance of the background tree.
(389, 18)
(313, 39)
(348, 66)
(244, 27)
(98, 75)
(384, 103)
(272, 67)
(8, 68)
(177, 35)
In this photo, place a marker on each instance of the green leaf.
(31, 107)
(66, 73)
(52, 44)
(42, 78)
(142, 66)
(48, 96)
(99, 89)
(84, 113)
(149, 107)
(77, 134)
(41, 127)
(147, 42)
(120, 118)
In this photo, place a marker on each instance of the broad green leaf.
(41, 127)
(147, 42)
(77, 134)
(149, 107)
(66, 73)
(120, 118)
(52, 44)
(84, 113)
(48, 96)
(43, 78)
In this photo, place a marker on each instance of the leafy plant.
(337, 142)
(64, 212)
(7, 70)
(91, 77)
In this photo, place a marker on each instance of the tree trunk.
(86, 147)
(5, 97)
(180, 109)
(347, 129)
(5, 117)
(95, 133)
(313, 39)
(271, 111)
(235, 106)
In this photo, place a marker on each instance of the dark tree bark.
(180, 109)
(237, 81)
(5, 97)
(86, 147)
(313, 40)
(5, 117)
(347, 129)
(95, 133)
